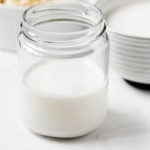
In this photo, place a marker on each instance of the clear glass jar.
(63, 63)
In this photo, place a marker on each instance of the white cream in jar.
(64, 98)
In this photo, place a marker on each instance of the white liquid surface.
(131, 19)
(64, 98)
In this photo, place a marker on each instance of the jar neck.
(65, 25)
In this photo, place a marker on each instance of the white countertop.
(127, 125)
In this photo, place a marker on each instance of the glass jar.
(63, 63)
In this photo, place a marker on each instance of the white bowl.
(10, 18)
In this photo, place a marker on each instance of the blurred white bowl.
(10, 18)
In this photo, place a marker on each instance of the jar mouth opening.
(63, 21)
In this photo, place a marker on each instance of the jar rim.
(68, 1)
(26, 19)
(86, 12)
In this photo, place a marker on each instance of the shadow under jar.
(63, 63)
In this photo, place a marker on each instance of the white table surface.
(127, 125)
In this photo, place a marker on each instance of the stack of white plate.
(130, 56)
(129, 51)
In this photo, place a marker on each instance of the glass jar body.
(63, 93)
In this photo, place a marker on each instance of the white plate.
(130, 54)
(143, 72)
(132, 39)
(108, 6)
(133, 77)
(131, 47)
(129, 58)
(127, 42)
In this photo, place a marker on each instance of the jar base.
(61, 136)
(65, 135)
